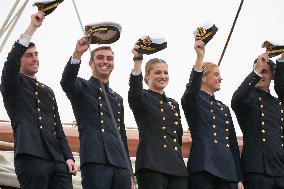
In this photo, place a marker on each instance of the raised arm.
(279, 78)
(12, 65)
(240, 99)
(69, 82)
(135, 96)
(190, 97)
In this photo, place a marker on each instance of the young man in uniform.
(43, 158)
(260, 116)
(104, 160)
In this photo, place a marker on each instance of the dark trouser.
(205, 180)
(38, 173)
(261, 181)
(148, 179)
(101, 176)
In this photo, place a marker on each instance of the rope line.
(231, 31)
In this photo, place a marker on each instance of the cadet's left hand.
(199, 48)
(240, 185)
(37, 19)
(35, 23)
(82, 45)
(260, 63)
(135, 51)
(72, 167)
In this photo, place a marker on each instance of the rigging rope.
(13, 22)
(8, 17)
(231, 31)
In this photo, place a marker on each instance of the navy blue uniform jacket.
(160, 130)
(33, 111)
(98, 139)
(214, 144)
(260, 116)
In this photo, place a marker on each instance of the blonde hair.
(207, 66)
(149, 66)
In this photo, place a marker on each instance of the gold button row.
(101, 113)
(165, 146)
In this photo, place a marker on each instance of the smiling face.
(211, 79)
(30, 62)
(102, 61)
(156, 75)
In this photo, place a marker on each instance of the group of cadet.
(43, 159)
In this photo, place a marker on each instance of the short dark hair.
(31, 45)
(272, 65)
(98, 49)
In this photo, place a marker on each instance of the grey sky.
(259, 20)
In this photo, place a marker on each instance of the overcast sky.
(55, 40)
